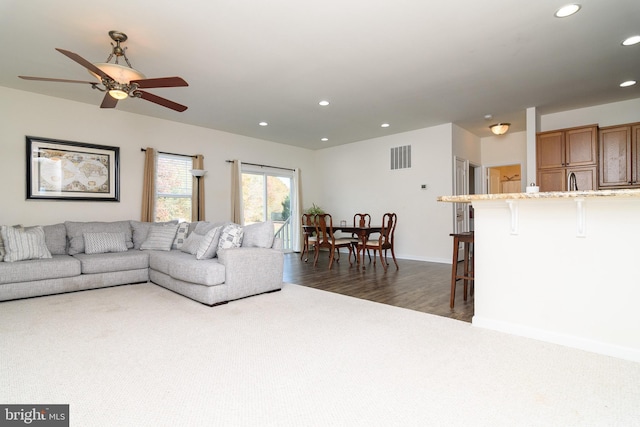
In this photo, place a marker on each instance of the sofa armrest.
(251, 271)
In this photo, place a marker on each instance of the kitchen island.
(560, 267)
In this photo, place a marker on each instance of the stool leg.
(466, 268)
(454, 270)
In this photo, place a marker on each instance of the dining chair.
(384, 242)
(309, 238)
(326, 239)
(360, 220)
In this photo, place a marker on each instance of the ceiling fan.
(119, 81)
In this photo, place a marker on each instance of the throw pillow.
(181, 235)
(141, 230)
(101, 243)
(230, 237)
(21, 244)
(192, 243)
(3, 252)
(258, 235)
(209, 245)
(76, 230)
(160, 238)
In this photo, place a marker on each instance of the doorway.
(504, 179)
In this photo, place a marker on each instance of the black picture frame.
(68, 170)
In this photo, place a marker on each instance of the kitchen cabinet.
(560, 152)
(619, 156)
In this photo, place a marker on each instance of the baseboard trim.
(608, 349)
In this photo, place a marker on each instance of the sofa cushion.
(101, 243)
(160, 238)
(181, 235)
(76, 230)
(209, 244)
(258, 235)
(23, 244)
(55, 236)
(58, 266)
(192, 243)
(207, 272)
(231, 236)
(203, 227)
(140, 230)
(114, 261)
(3, 252)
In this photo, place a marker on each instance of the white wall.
(603, 115)
(357, 178)
(466, 145)
(507, 149)
(25, 113)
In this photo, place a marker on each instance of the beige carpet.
(143, 356)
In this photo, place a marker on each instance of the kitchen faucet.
(572, 184)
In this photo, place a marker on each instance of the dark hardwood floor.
(417, 285)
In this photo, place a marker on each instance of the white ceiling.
(411, 63)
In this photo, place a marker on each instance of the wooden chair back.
(388, 230)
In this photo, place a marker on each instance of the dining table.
(363, 233)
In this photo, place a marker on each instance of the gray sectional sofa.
(212, 263)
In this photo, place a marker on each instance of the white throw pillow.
(258, 235)
(209, 244)
(102, 243)
(160, 237)
(231, 236)
(23, 244)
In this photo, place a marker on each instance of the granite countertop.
(548, 195)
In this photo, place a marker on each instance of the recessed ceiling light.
(567, 10)
(263, 124)
(323, 103)
(384, 125)
(630, 41)
(324, 139)
(628, 83)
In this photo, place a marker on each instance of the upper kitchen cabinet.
(619, 156)
(567, 147)
(560, 152)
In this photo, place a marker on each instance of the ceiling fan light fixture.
(500, 128)
(119, 73)
(118, 94)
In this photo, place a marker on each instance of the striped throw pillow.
(160, 237)
(23, 244)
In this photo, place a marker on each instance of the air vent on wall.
(401, 157)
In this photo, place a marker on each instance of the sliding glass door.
(267, 195)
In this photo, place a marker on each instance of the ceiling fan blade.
(108, 101)
(47, 79)
(88, 65)
(161, 101)
(160, 82)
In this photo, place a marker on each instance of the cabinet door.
(586, 177)
(552, 179)
(580, 146)
(550, 150)
(635, 155)
(615, 157)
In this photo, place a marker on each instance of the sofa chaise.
(212, 263)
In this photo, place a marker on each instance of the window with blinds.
(173, 187)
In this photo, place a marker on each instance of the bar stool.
(467, 239)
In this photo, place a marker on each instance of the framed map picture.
(65, 170)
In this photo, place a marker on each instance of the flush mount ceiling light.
(630, 41)
(384, 125)
(628, 83)
(324, 103)
(500, 128)
(324, 139)
(263, 124)
(567, 10)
